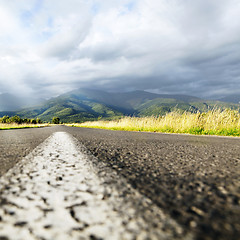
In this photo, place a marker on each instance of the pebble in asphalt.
(17, 143)
(193, 179)
(57, 193)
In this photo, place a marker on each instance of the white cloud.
(170, 45)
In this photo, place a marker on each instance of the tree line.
(18, 120)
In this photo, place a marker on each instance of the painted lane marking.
(56, 192)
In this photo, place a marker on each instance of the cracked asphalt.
(193, 179)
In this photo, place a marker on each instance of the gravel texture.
(195, 179)
(60, 192)
(17, 143)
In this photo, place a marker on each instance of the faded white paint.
(56, 192)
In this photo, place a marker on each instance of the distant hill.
(235, 98)
(87, 104)
(10, 102)
(129, 100)
(70, 107)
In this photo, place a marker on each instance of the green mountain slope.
(129, 100)
(162, 106)
(70, 108)
(85, 104)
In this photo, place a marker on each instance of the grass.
(5, 126)
(214, 122)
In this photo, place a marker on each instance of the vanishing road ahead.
(77, 183)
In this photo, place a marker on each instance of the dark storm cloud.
(168, 46)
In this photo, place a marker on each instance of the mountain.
(142, 103)
(87, 104)
(10, 102)
(234, 98)
(128, 102)
(70, 107)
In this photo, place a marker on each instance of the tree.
(33, 121)
(16, 119)
(4, 119)
(38, 120)
(56, 120)
(26, 120)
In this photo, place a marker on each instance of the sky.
(48, 47)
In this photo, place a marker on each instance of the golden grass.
(215, 122)
(4, 126)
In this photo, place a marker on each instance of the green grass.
(214, 122)
(6, 126)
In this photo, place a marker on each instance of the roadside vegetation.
(7, 122)
(56, 120)
(213, 122)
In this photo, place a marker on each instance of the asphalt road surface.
(194, 181)
(15, 144)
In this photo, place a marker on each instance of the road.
(193, 181)
(15, 144)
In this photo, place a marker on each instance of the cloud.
(168, 46)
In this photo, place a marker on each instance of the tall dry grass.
(215, 122)
(4, 126)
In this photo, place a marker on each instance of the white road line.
(56, 192)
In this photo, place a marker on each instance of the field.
(4, 126)
(215, 122)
